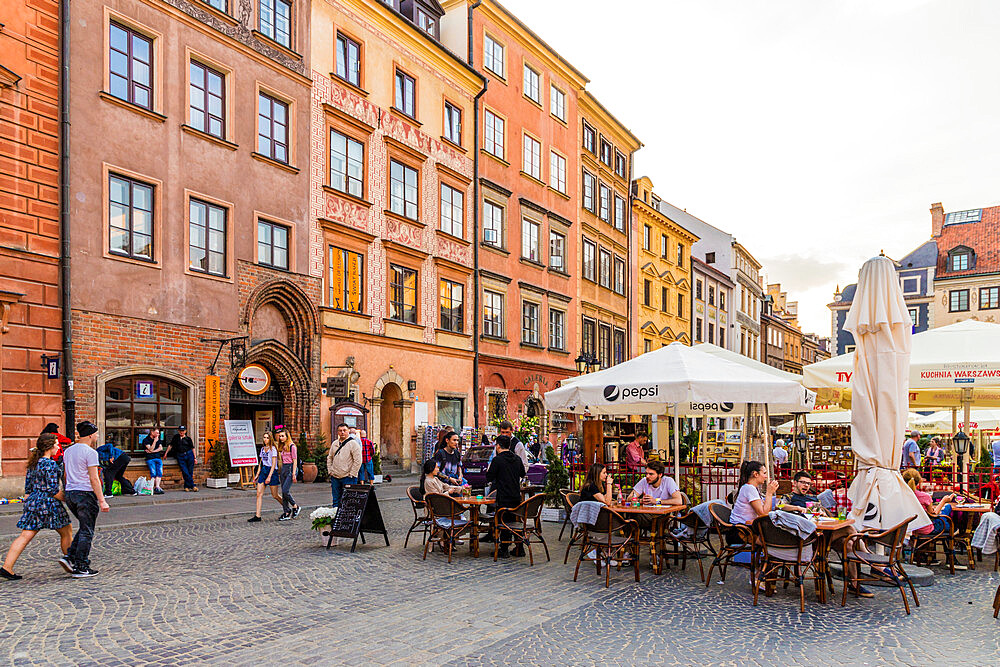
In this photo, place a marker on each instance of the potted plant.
(218, 473)
(322, 519)
(309, 468)
(556, 479)
(320, 448)
(376, 465)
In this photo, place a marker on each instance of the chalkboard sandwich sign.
(358, 514)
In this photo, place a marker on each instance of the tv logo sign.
(612, 393)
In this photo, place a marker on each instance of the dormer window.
(426, 22)
(961, 259)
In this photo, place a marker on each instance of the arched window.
(136, 403)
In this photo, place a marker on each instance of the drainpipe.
(475, 228)
(630, 309)
(69, 400)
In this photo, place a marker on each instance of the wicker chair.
(612, 537)
(421, 520)
(782, 565)
(701, 536)
(446, 520)
(522, 522)
(569, 499)
(950, 543)
(576, 532)
(892, 541)
(727, 552)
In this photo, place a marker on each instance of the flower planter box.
(234, 478)
(554, 514)
(217, 483)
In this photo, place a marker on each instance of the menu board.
(358, 514)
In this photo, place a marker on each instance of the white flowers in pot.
(322, 517)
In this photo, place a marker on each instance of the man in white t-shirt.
(84, 497)
(780, 453)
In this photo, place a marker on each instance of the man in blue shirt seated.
(113, 463)
(801, 485)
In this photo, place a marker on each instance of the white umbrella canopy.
(880, 322)
(840, 418)
(940, 421)
(693, 381)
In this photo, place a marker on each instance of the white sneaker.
(592, 554)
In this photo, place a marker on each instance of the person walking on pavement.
(183, 449)
(504, 474)
(154, 458)
(113, 463)
(43, 508)
(267, 475)
(367, 472)
(288, 455)
(84, 497)
(342, 462)
(62, 442)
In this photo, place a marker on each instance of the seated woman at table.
(749, 504)
(431, 483)
(936, 512)
(655, 485)
(597, 485)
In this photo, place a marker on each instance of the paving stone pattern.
(225, 592)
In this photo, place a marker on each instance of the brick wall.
(29, 228)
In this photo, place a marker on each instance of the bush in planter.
(320, 448)
(219, 463)
(556, 479)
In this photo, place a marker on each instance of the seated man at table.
(504, 474)
(655, 486)
(801, 485)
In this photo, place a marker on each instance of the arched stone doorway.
(391, 422)
(264, 410)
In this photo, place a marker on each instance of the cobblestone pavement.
(220, 591)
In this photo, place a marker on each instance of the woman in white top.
(749, 505)
(267, 475)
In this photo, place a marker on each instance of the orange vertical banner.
(212, 407)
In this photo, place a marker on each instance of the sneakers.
(860, 591)
(295, 512)
(285, 517)
(157, 491)
(66, 564)
(10, 576)
(254, 519)
(85, 572)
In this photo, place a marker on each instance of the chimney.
(937, 219)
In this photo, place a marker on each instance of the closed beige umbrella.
(880, 322)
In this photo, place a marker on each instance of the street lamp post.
(960, 441)
(586, 363)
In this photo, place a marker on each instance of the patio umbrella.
(882, 330)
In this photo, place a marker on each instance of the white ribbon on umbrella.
(882, 328)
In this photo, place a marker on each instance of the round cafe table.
(473, 504)
(659, 513)
(826, 526)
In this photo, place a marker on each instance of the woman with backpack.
(288, 458)
(268, 474)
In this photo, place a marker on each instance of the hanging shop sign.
(254, 379)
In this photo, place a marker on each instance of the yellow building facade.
(663, 273)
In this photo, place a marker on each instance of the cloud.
(804, 272)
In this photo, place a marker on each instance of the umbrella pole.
(967, 419)
(677, 447)
(745, 434)
(767, 444)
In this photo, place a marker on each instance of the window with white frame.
(605, 203)
(530, 326)
(557, 329)
(619, 213)
(493, 319)
(493, 129)
(911, 285)
(452, 123)
(605, 268)
(989, 298)
(557, 103)
(530, 231)
(589, 185)
(493, 224)
(557, 251)
(403, 190)
(493, 56)
(557, 172)
(532, 157)
(620, 275)
(589, 260)
(452, 211)
(647, 233)
(532, 84)
(915, 316)
(452, 306)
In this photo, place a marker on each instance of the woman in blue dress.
(43, 506)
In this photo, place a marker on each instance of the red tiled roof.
(984, 239)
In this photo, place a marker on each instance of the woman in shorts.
(267, 475)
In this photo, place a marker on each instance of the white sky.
(818, 132)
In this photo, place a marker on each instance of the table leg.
(474, 531)
(823, 563)
(654, 540)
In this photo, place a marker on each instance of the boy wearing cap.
(84, 497)
(183, 448)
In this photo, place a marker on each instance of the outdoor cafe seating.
(728, 551)
(786, 557)
(421, 519)
(521, 523)
(891, 541)
(612, 537)
(447, 522)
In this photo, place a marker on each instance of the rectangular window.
(647, 287)
(208, 100)
(347, 270)
(276, 20)
(604, 345)
(131, 66)
(697, 329)
(680, 254)
(452, 123)
(914, 316)
(426, 23)
(348, 60)
(589, 336)
(663, 299)
(911, 285)
(557, 251)
(493, 56)
(557, 103)
(532, 84)
(529, 240)
(960, 261)
(402, 294)
(557, 329)
(697, 290)
(347, 164)
(680, 305)
(403, 190)
(711, 333)
(492, 224)
(664, 246)
(621, 168)
(607, 152)
(452, 211)
(532, 157)
(130, 218)
(605, 268)
(207, 251)
(272, 244)
(589, 185)
(620, 276)
(711, 296)
(619, 213)
(589, 260)
(647, 345)
(589, 138)
(451, 412)
(722, 300)
(493, 319)
(722, 336)
(452, 306)
(218, 4)
(272, 128)
(647, 233)
(493, 134)
(619, 346)
(557, 172)
(959, 300)
(710, 258)
(989, 298)
(529, 323)
(405, 100)
(605, 203)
